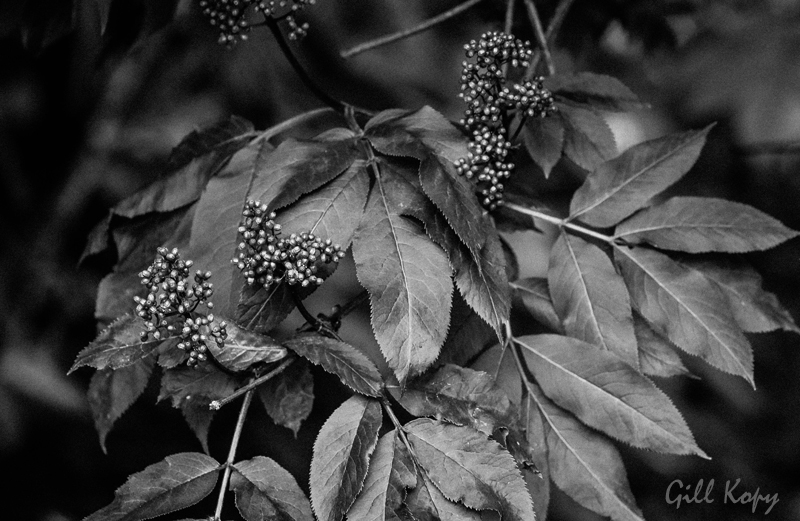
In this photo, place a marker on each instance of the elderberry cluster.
(286, 9)
(230, 16)
(489, 102)
(170, 308)
(265, 258)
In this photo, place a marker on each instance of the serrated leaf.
(289, 397)
(265, 491)
(597, 90)
(215, 226)
(118, 345)
(244, 348)
(656, 356)
(588, 140)
(461, 396)
(467, 336)
(607, 394)
(261, 308)
(584, 464)
(590, 297)
(544, 141)
(468, 467)
(686, 308)
(177, 482)
(619, 187)
(352, 367)
(299, 167)
(535, 296)
(332, 212)
(341, 456)
(391, 474)
(704, 224)
(199, 157)
(111, 392)
(754, 309)
(170, 356)
(198, 417)
(407, 277)
(204, 384)
(426, 503)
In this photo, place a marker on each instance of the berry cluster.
(170, 308)
(265, 258)
(489, 101)
(230, 16)
(289, 8)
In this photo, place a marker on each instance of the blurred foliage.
(95, 93)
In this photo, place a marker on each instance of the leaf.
(265, 491)
(244, 348)
(341, 456)
(391, 474)
(199, 157)
(754, 309)
(584, 464)
(262, 308)
(607, 394)
(470, 468)
(590, 297)
(299, 167)
(538, 482)
(703, 224)
(119, 345)
(682, 305)
(544, 141)
(467, 336)
(619, 187)
(289, 397)
(177, 482)
(203, 384)
(588, 140)
(535, 296)
(407, 277)
(111, 392)
(332, 212)
(598, 90)
(426, 503)
(198, 416)
(461, 396)
(656, 356)
(352, 367)
(215, 235)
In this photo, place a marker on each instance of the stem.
(237, 434)
(350, 306)
(559, 222)
(522, 121)
(217, 404)
(541, 39)
(387, 406)
(508, 26)
(400, 35)
(506, 342)
(311, 320)
(550, 34)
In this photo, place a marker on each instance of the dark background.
(87, 118)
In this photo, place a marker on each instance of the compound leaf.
(656, 356)
(352, 367)
(244, 348)
(598, 90)
(703, 224)
(685, 307)
(265, 491)
(119, 345)
(588, 140)
(619, 187)
(607, 394)
(289, 397)
(341, 456)
(544, 141)
(391, 473)
(535, 296)
(590, 297)
(111, 392)
(754, 309)
(462, 396)
(406, 275)
(470, 468)
(583, 463)
(177, 482)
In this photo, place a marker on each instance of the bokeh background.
(89, 112)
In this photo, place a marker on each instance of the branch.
(541, 39)
(550, 34)
(217, 404)
(559, 222)
(237, 434)
(508, 26)
(391, 38)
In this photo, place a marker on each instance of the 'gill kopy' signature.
(679, 494)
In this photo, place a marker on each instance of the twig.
(559, 222)
(550, 34)
(541, 39)
(348, 307)
(387, 406)
(400, 35)
(508, 26)
(315, 323)
(237, 434)
(217, 404)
